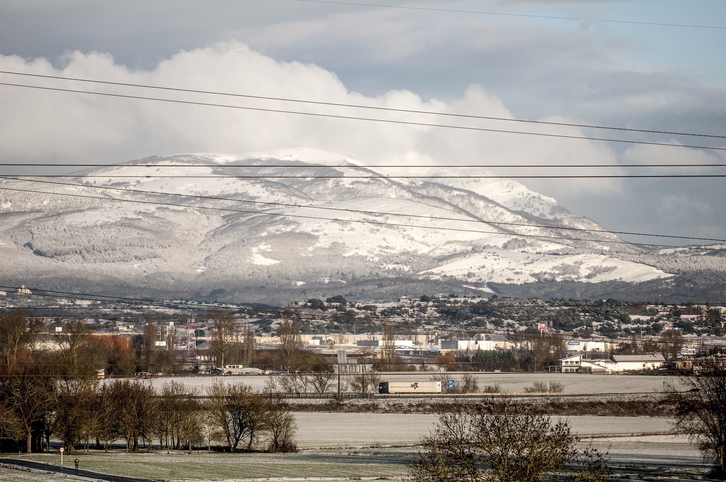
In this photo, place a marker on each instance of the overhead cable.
(509, 14)
(364, 119)
(370, 213)
(360, 106)
(364, 176)
(371, 167)
(74, 295)
(343, 220)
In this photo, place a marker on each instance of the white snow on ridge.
(497, 266)
(510, 194)
(303, 154)
(302, 230)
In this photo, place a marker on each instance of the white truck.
(409, 387)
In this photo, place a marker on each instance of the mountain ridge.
(238, 227)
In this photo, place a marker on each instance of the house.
(578, 364)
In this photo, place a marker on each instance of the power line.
(506, 14)
(183, 305)
(357, 221)
(366, 176)
(359, 106)
(374, 213)
(118, 299)
(365, 119)
(361, 167)
(299, 216)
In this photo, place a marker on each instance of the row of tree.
(82, 413)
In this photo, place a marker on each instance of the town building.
(614, 364)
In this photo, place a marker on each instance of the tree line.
(84, 413)
(46, 394)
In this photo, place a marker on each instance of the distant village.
(430, 332)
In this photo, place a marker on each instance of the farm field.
(316, 429)
(344, 446)
(507, 382)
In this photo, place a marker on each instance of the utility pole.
(342, 361)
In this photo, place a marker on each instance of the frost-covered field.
(366, 446)
(366, 429)
(347, 446)
(507, 382)
(329, 466)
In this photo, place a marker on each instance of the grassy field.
(368, 446)
(332, 466)
(631, 459)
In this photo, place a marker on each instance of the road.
(29, 464)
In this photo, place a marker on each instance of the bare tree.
(295, 382)
(73, 410)
(224, 334)
(365, 381)
(290, 343)
(81, 353)
(248, 348)
(504, 442)
(280, 425)
(29, 394)
(148, 350)
(74, 336)
(545, 350)
(701, 410)
(120, 356)
(469, 384)
(135, 406)
(18, 333)
(190, 428)
(10, 425)
(388, 350)
(106, 424)
(322, 376)
(210, 431)
(670, 344)
(178, 422)
(237, 412)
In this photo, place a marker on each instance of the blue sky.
(590, 71)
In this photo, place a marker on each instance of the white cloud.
(680, 207)
(41, 125)
(647, 154)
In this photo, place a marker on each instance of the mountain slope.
(246, 228)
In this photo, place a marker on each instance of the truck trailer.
(409, 387)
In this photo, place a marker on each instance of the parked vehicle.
(409, 387)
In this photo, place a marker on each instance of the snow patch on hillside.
(261, 260)
(497, 266)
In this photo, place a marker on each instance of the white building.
(485, 342)
(588, 346)
(651, 361)
(615, 364)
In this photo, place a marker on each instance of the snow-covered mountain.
(273, 227)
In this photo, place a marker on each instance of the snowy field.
(336, 447)
(507, 382)
(367, 446)
(372, 429)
